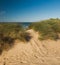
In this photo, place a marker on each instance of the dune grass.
(9, 32)
(48, 29)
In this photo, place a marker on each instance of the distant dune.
(34, 52)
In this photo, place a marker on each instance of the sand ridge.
(35, 52)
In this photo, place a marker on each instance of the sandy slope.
(34, 52)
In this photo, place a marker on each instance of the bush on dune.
(9, 32)
(25, 36)
(48, 29)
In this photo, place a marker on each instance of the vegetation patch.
(9, 32)
(48, 29)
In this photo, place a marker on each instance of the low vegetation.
(48, 29)
(9, 32)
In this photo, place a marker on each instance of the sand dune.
(35, 52)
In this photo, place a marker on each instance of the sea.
(24, 24)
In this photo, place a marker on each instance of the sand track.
(35, 52)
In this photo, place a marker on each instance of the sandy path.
(34, 52)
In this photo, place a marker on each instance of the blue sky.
(28, 10)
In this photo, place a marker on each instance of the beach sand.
(34, 52)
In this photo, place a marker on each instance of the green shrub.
(25, 36)
(9, 32)
(48, 29)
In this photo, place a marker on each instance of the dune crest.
(34, 52)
